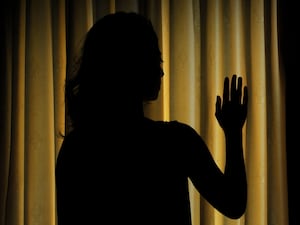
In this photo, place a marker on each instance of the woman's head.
(120, 60)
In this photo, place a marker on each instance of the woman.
(117, 166)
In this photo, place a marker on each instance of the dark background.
(289, 47)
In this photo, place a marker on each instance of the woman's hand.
(232, 112)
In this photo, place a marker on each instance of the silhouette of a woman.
(118, 167)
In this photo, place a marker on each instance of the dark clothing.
(137, 176)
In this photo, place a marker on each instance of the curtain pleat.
(15, 190)
(59, 51)
(6, 111)
(202, 41)
(39, 143)
(257, 130)
(277, 166)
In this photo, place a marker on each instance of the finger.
(226, 90)
(233, 88)
(218, 103)
(239, 89)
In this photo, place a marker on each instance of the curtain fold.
(59, 58)
(202, 41)
(15, 189)
(39, 133)
(277, 161)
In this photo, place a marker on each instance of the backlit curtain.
(202, 41)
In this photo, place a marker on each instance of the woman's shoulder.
(166, 123)
(69, 138)
(172, 126)
(70, 142)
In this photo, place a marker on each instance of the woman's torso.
(135, 176)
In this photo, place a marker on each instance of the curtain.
(202, 41)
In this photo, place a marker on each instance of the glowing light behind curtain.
(202, 41)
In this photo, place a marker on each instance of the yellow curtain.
(202, 41)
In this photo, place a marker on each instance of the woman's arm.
(226, 191)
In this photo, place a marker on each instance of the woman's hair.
(120, 61)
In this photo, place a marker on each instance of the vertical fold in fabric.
(59, 52)
(15, 195)
(39, 201)
(6, 68)
(256, 154)
(165, 49)
(277, 164)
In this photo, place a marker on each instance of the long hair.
(120, 62)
